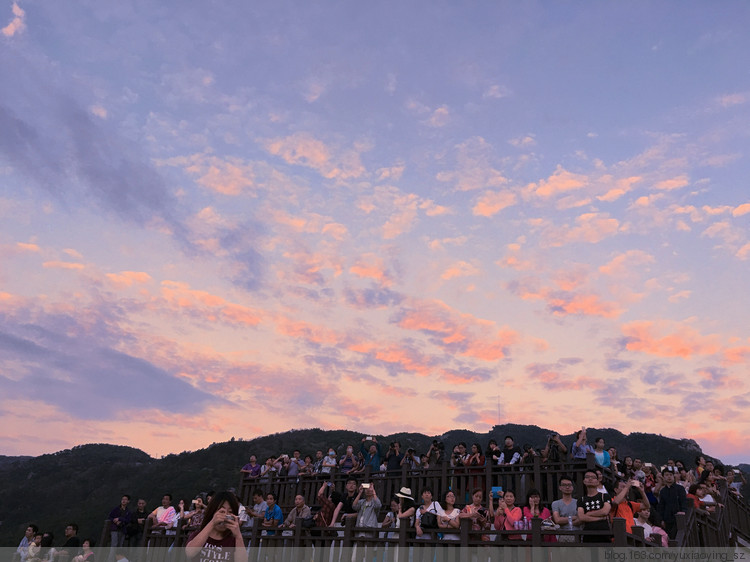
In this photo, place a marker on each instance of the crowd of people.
(643, 494)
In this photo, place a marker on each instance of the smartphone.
(365, 486)
(368, 438)
(496, 491)
(329, 484)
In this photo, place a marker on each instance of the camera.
(439, 445)
(229, 518)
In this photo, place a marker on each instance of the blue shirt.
(274, 513)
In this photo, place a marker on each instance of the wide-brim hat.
(405, 493)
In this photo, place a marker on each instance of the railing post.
(105, 531)
(620, 531)
(297, 535)
(536, 531)
(349, 532)
(464, 529)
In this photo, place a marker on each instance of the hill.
(84, 483)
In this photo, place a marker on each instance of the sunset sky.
(232, 218)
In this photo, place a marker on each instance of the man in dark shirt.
(393, 457)
(594, 508)
(672, 501)
(510, 454)
(119, 519)
(72, 542)
(347, 510)
(138, 523)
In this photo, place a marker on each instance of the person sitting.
(28, 537)
(219, 536)
(300, 511)
(273, 518)
(594, 508)
(644, 520)
(87, 554)
(448, 523)
(480, 517)
(507, 515)
(407, 508)
(534, 508)
(565, 510)
(258, 509)
(621, 507)
(330, 505)
(195, 515)
(164, 516)
(430, 510)
(367, 508)
(72, 542)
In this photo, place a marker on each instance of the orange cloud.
(561, 181)
(622, 265)
(674, 183)
(492, 202)
(303, 149)
(370, 266)
(62, 265)
(741, 210)
(587, 305)
(463, 334)
(314, 333)
(622, 186)
(460, 269)
(668, 339)
(210, 307)
(28, 247)
(590, 227)
(128, 278)
(473, 167)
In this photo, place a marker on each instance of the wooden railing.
(518, 477)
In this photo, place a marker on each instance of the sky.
(229, 219)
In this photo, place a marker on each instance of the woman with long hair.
(219, 532)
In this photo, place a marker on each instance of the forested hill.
(84, 483)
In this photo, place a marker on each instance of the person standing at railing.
(372, 454)
(119, 518)
(672, 501)
(581, 448)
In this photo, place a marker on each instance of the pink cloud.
(590, 227)
(460, 269)
(17, 24)
(62, 265)
(561, 181)
(465, 334)
(303, 149)
(371, 266)
(128, 278)
(212, 308)
(623, 264)
(492, 202)
(668, 339)
(673, 183)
